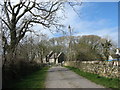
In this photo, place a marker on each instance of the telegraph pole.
(70, 41)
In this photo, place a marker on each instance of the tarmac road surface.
(61, 77)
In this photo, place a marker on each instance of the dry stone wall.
(109, 69)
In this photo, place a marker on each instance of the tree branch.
(18, 7)
(10, 5)
(6, 23)
(22, 33)
(5, 41)
(46, 25)
(25, 11)
(6, 9)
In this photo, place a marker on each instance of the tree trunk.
(41, 58)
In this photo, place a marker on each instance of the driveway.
(61, 77)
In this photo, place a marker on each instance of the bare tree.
(19, 18)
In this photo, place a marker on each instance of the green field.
(107, 82)
(35, 80)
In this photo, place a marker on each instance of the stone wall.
(109, 69)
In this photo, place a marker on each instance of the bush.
(18, 70)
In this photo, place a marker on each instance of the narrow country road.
(61, 77)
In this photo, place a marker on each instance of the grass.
(106, 82)
(35, 80)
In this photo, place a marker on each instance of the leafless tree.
(20, 17)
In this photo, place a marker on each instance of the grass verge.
(107, 82)
(35, 80)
